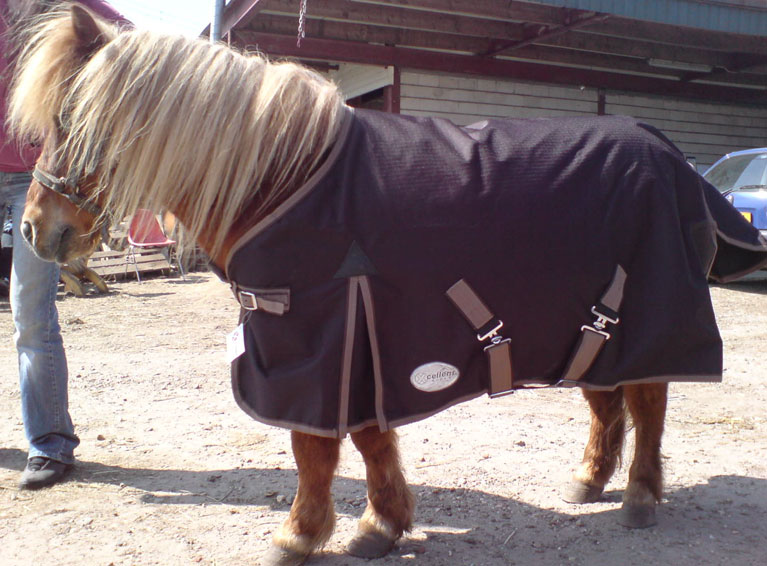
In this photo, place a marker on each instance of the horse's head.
(60, 221)
(137, 119)
(62, 215)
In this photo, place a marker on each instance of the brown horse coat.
(350, 274)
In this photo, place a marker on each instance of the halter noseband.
(59, 184)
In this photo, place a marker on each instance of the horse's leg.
(96, 279)
(647, 404)
(311, 518)
(389, 511)
(603, 449)
(71, 282)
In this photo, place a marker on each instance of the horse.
(225, 141)
(75, 272)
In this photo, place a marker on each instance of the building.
(697, 69)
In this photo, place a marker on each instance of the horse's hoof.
(101, 285)
(277, 556)
(579, 492)
(637, 516)
(370, 544)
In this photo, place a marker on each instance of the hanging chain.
(301, 23)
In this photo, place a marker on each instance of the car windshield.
(741, 172)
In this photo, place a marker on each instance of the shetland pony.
(133, 118)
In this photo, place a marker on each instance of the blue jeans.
(42, 362)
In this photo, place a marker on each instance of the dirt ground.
(171, 472)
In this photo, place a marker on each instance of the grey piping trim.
(317, 431)
(713, 232)
(421, 416)
(367, 300)
(740, 243)
(733, 241)
(348, 353)
(334, 433)
(343, 131)
(715, 378)
(745, 246)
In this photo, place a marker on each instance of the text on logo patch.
(434, 376)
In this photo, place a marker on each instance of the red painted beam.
(547, 33)
(354, 52)
(392, 94)
(238, 12)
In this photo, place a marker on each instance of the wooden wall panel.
(702, 130)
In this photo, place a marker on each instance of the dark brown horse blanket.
(372, 293)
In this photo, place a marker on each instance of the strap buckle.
(596, 330)
(602, 318)
(600, 324)
(490, 330)
(271, 301)
(247, 300)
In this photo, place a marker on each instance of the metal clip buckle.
(600, 323)
(497, 340)
(247, 300)
(490, 334)
(602, 319)
(596, 330)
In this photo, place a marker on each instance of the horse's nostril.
(27, 231)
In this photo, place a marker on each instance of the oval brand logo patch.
(434, 376)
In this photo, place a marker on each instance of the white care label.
(235, 343)
(434, 376)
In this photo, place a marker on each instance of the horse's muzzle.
(54, 246)
(27, 232)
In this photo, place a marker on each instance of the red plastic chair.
(145, 232)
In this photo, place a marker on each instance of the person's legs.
(42, 361)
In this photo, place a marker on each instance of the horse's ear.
(89, 34)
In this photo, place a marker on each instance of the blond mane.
(163, 121)
(48, 62)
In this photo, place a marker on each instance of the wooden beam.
(392, 94)
(312, 48)
(547, 33)
(491, 9)
(601, 102)
(617, 26)
(683, 37)
(342, 31)
(370, 33)
(586, 40)
(326, 29)
(445, 36)
(635, 66)
(239, 13)
(741, 63)
(389, 16)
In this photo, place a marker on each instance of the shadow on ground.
(726, 507)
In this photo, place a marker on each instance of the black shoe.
(42, 472)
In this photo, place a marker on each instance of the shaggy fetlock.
(639, 505)
(375, 536)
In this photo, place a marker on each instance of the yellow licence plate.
(747, 215)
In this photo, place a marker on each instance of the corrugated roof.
(747, 17)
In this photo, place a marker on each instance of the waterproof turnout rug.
(425, 264)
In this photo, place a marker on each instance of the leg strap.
(482, 320)
(593, 337)
(487, 326)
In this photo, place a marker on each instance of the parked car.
(741, 176)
